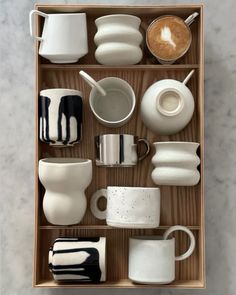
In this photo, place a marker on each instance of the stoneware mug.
(60, 115)
(152, 258)
(64, 36)
(118, 39)
(119, 150)
(128, 207)
(175, 163)
(112, 100)
(65, 180)
(78, 259)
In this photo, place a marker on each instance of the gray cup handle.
(147, 145)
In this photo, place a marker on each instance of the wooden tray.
(180, 205)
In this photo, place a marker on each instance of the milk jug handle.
(32, 23)
(190, 19)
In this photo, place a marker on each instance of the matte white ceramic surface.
(128, 207)
(115, 108)
(118, 39)
(167, 106)
(175, 163)
(65, 180)
(152, 258)
(64, 36)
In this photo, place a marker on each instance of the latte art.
(168, 38)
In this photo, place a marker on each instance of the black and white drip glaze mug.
(78, 259)
(60, 115)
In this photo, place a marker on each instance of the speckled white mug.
(128, 207)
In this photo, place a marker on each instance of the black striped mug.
(78, 259)
(60, 116)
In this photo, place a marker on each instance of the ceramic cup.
(65, 180)
(128, 207)
(78, 259)
(118, 39)
(175, 163)
(152, 258)
(60, 114)
(119, 150)
(113, 107)
(64, 36)
(167, 39)
(167, 106)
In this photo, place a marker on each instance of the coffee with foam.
(168, 38)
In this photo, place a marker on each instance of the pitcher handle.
(32, 22)
(190, 19)
(94, 204)
(191, 236)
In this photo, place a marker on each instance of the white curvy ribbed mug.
(65, 180)
(128, 207)
(175, 163)
(152, 258)
(64, 37)
(118, 39)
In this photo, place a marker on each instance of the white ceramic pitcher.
(118, 39)
(64, 36)
(65, 180)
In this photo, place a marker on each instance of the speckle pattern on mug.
(133, 207)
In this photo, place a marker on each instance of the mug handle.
(94, 204)
(32, 22)
(147, 145)
(190, 19)
(191, 236)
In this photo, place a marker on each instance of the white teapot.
(167, 106)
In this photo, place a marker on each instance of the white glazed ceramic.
(78, 259)
(175, 163)
(118, 39)
(65, 180)
(60, 116)
(152, 258)
(167, 106)
(64, 36)
(128, 207)
(115, 108)
(188, 21)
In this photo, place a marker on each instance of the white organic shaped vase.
(65, 180)
(176, 163)
(118, 39)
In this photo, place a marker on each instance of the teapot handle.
(188, 77)
(32, 22)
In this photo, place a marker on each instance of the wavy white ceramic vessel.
(65, 180)
(118, 39)
(167, 106)
(176, 163)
